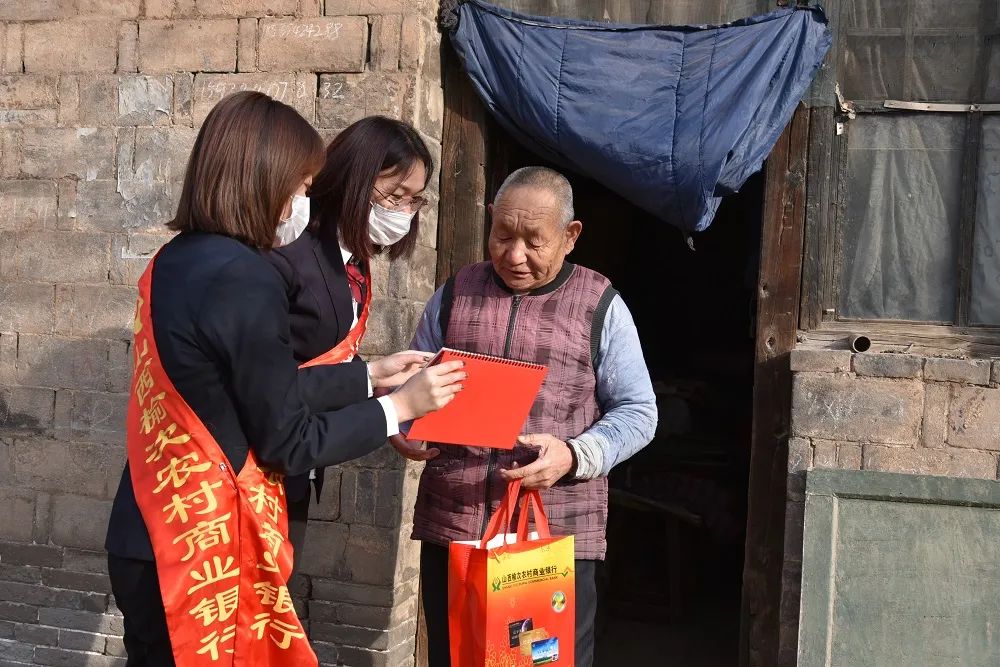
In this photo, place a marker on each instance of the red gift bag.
(511, 596)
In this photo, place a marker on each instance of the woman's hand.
(429, 390)
(412, 449)
(396, 369)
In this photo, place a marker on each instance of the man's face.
(528, 241)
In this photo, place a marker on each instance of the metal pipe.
(859, 343)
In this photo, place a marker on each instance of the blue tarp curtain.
(671, 118)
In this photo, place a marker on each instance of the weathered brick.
(77, 560)
(974, 418)
(98, 101)
(92, 310)
(83, 153)
(820, 361)
(16, 653)
(51, 465)
(888, 365)
(247, 46)
(126, 9)
(357, 496)
(87, 416)
(131, 254)
(28, 91)
(22, 613)
(36, 635)
(115, 646)
(385, 42)
(23, 573)
(36, 10)
(145, 100)
(361, 543)
(60, 657)
(96, 206)
(934, 430)
(198, 46)
(69, 100)
(995, 375)
(350, 591)
(387, 498)
(71, 46)
(43, 596)
(183, 98)
(78, 521)
(30, 554)
(349, 635)
(362, 657)
(368, 7)
(17, 518)
(62, 363)
(849, 456)
(119, 366)
(161, 153)
(12, 56)
(841, 407)
(323, 44)
(346, 98)
(27, 205)
(969, 371)
(28, 117)
(128, 47)
(82, 641)
(81, 620)
(26, 409)
(324, 551)
(413, 278)
(824, 454)
(7, 630)
(328, 506)
(218, 8)
(57, 257)
(410, 43)
(27, 307)
(946, 462)
(295, 90)
(77, 581)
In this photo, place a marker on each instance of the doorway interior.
(670, 587)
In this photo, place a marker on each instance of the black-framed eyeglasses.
(413, 204)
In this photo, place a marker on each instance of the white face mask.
(292, 227)
(386, 227)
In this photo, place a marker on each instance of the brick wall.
(100, 101)
(886, 412)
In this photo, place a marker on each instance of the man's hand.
(554, 461)
(412, 449)
(394, 370)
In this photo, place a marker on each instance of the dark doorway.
(671, 586)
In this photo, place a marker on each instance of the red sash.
(220, 539)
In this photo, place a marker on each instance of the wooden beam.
(462, 212)
(777, 317)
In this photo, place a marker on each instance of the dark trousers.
(298, 520)
(434, 594)
(137, 594)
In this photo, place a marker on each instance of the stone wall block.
(296, 90)
(968, 371)
(51, 465)
(17, 519)
(943, 462)
(71, 46)
(128, 47)
(974, 418)
(934, 430)
(315, 44)
(820, 361)
(385, 42)
(79, 521)
(206, 45)
(145, 100)
(82, 153)
(888, 365)
(27, 205)
(26, 409)
(247, 48)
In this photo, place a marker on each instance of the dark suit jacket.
(319, 300)
(220, 321)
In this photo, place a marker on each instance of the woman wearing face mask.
(365, 201)
(219, 407)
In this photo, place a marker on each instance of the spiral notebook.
(491, 408)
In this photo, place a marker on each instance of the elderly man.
(595, 409)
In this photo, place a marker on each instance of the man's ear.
(572, 232)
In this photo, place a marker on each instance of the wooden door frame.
(468, 174)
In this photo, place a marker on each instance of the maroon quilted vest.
(552, 325)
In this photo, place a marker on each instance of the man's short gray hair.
(546, 179)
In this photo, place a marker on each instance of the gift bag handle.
(532, 500)
(500, 521)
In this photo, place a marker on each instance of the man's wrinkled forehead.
(526, 207)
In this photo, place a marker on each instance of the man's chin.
(518, 282)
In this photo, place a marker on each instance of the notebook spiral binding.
(487, 357)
